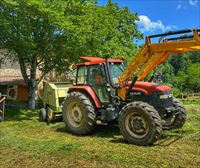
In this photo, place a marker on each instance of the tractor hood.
(149, 87)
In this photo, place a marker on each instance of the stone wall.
(10, 73)
(9, 68)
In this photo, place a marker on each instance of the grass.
(26, 142)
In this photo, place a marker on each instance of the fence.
(190, 97)
(2, 107)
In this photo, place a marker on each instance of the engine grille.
(165, 102)
(161, 105)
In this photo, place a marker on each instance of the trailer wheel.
(42, 115)
(178, 119)
(50, 115)
(78, 114)
(140, 123)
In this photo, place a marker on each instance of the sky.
(159, 16)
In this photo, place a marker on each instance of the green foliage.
(182, 71)
(166, 71)
(181, 80)
(52, 34)
(194, 56)
(194, 77)
(58, 32)
(107, 31)
(180, 62)
(176, 92)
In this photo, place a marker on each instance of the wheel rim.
(136, 125)
(74, 114)
(169, 121)
(49, 114)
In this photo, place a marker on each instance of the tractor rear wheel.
(140, 123)
(178, 119)
(78, 114)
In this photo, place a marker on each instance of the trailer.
(54, 94)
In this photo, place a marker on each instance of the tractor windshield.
(116, 71)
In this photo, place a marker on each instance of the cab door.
(97, 80)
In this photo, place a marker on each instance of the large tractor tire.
(140, 123)
(178, 119)
(78, 114)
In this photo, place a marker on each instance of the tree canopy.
(51, 34)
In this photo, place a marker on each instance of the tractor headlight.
(165, 96)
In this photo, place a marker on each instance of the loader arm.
(150, 55)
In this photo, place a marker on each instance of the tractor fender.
(89, 91)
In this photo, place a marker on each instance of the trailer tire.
(79, 114)
(43, 115)
(140, 123)
(178, 120)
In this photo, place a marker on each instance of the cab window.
(97, 75)
(116, 70)
(82, 75)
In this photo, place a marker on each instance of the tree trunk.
(31, 93)
(30, 81)
(32, 84)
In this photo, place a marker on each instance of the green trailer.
(54, 94)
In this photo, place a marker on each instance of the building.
(11, 81)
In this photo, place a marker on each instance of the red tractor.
(103, 91)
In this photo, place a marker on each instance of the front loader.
(106, 90)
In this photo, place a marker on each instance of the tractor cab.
(95, 73)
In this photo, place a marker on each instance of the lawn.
(26, 142)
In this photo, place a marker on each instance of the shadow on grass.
(106, 131)
(101, 130)
(167, 140)
(19, 114)
(62, 129)
(112, 131)
(164, 141)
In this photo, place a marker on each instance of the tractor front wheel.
(78, 114)
(140, 123)
(178, 119)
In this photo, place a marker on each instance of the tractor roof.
(97, 60)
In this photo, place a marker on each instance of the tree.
(194, 56)
(181, 81)
(180, 62)
(29, 33)
(51, 34)
(109, 31)
(189, 81)
(194, 77)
